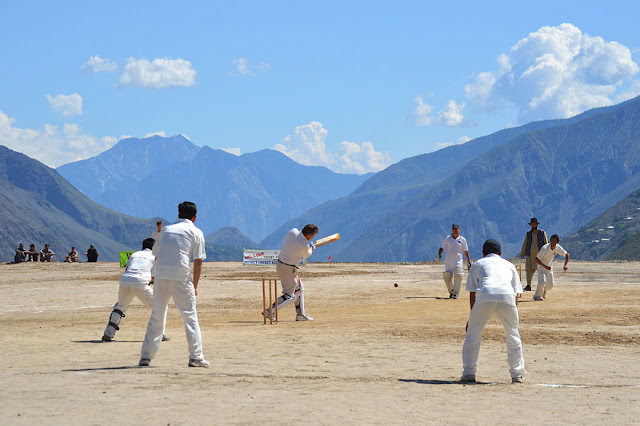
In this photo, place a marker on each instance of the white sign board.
(262, 257)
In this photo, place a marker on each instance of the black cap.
(491, 246)
(455, 226)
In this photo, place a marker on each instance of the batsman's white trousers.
(480, 314)
(545, 281)
(127, 293)
(184, 297)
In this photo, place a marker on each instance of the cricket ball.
(395, 285)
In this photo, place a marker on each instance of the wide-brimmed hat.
(534, 220)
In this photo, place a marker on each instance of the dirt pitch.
(374, 354)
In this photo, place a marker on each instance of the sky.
(351, 85)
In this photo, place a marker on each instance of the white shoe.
(537, 299)
(517, 379)
(144, 362)
(303, 318)
(198, 363)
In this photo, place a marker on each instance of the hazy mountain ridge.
(565, 176)
(39, 206)
(130, 160)
(254, 192)
(391, 188)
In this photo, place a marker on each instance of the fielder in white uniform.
(544, 259)
(455, 245)
(133, 283)
(172, 279)
(494, 287)
(296, 247)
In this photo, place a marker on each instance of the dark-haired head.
(310, 229)
(148, 243)
(187, 210)
(491, 246)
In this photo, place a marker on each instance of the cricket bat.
(327, 240)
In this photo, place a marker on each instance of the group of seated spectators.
(46, 254)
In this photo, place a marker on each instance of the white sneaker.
(517, 379)
(303, 318)
(144, 362)
(198, 363)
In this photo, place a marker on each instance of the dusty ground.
(375, 354)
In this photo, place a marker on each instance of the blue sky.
(354, 86)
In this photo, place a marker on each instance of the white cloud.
(160, 133)
(450, 116)
(234, 151)
(242, 66)
(557, 72)
(66, 105)
(50, 145)
(158, 74)
(307, 146)
(96, 64)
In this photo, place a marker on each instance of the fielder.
(544, 259)
(296, 247)
(455, 245)
(173, 250)
(533, 242)
(156, 234)
(133, 283)
(494, 289)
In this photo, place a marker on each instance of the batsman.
(297, 246)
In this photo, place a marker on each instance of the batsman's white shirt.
(494, 279)
(455, 248)
(546, 255)
(138, 273)
(294, 248)
(174, 248)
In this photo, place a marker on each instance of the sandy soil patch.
(374, 354)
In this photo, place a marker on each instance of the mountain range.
(39, 206)
(253, 192)
(565, 172)
(614, 235)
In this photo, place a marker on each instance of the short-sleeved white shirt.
(155, 235)
(455, 248)
(138, 273)
(294, 248)
(546, 255)
(494, 279)
(174, 248)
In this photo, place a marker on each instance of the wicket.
(519, 269)
(264, 300)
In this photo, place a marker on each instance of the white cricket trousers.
(453, 274)
(127, 293)
(545, 281)
(480, 314)
(184, 297)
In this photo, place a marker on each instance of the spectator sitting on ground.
(34, 255)
(21, 254)
(92, 254)
(72, 256)
(46, 255)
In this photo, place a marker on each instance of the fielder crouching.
(133, 283)
(494, 288)
(296, 247)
